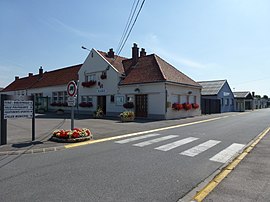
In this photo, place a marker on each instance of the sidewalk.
(250, 180)
(19, 130)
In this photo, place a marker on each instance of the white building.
(156, 89)
(152, 84)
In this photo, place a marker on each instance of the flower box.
(86, 104)
(177, 106)
(187, 106)
(88, 83)
(195, 106)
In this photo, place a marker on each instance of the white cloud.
(58, 24)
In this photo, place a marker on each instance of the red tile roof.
(152, 68)
(52, 78)
(116, 61)
(58, 77)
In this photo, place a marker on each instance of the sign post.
(13, 107)
(72, 92)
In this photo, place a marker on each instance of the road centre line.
(142, 132)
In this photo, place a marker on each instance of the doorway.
(141, 102)
(101, 102)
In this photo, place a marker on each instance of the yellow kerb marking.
(225, 172)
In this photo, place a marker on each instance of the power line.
(131, 15)
(126, 37)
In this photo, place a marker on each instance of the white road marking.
(178, 143)
(145, 143)
(200, 148)
(228, 153)
(136, 138)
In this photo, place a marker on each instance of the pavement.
(248, 181)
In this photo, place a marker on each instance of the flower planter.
(127, 119)
(69, 136)
(70, 140)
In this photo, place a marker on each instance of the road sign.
(18, 109)
(72, 88)
(71, 101)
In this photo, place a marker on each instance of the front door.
(141, 103)
(101, 102)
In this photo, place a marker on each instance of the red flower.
(177, 106)
(187, 106)
(75, 134)
(195, 106)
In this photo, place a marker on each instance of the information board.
(18, 109)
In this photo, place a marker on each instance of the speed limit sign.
(72, 89)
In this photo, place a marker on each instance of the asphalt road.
(148, 169)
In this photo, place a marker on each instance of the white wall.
(173, 92)
(96, 64)
(156, 97)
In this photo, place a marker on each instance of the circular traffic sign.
(72, 88)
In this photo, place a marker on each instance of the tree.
(265, 97)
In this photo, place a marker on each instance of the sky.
(204, 39)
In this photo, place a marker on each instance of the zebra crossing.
(151, 139)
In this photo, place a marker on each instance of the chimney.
(110, 53)
(135, 54)
(40, 72)
(30, 74)
(253, 94)
(16, 78)
(142, 53)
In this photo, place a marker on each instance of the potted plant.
(127, 116)
(103, 75)
(99, 113)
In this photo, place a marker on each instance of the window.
(112, 98)
(86, 98)
(119, 100)
(231, 102)
(60, 96)
(91, 77)
(183, 99)
(222, 102)
(227, 102)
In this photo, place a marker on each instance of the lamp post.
(85, 48)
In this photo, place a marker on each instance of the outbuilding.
(217, 97)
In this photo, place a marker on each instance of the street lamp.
(85, 48)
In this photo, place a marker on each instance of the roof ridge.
(212, 81)
(171, 66)
(161, 70)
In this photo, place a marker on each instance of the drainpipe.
(166, 100)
